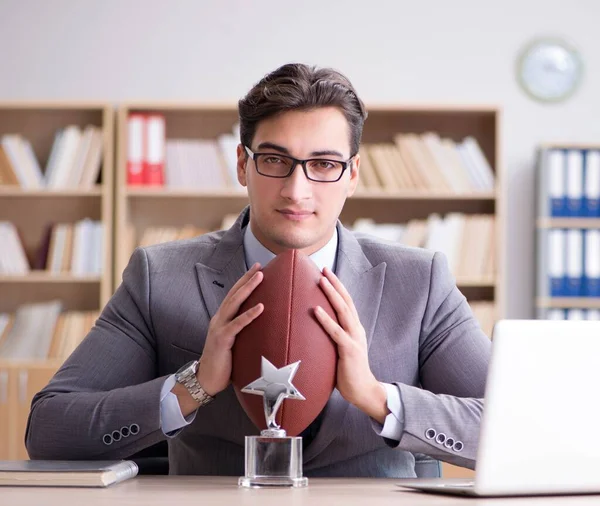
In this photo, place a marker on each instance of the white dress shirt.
(172, 419)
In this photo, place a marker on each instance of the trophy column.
(273, 459)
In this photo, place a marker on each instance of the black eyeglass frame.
(302, 163)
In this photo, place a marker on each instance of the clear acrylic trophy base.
(273, 460)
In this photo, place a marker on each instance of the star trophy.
(273, 459)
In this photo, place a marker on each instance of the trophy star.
(275, 382)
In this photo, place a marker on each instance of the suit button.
(116, 435)
(430, 433)
(441, 438)
(134, 429)
(125, 431)
(107, 439)
(449, 443)
(458, 446)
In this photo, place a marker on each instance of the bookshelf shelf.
(33, 212)
(359, 195)
(568, 302)
(568, 223)
(40, 277)
(423, 195)
(476, 283)
(163, 193)
(9, 192)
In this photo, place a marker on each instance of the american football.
(287, 331)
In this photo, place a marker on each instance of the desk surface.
(218, 491)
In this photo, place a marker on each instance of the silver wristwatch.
(187, 377)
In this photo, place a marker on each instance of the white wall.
(443, 51)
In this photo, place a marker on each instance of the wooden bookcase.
(544, 223)
(31, 211)
(138, 208)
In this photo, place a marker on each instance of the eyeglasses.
(321, 170)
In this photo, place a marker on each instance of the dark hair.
(296, 86)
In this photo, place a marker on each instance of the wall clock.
(549, 69)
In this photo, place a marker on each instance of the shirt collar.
(254, 251)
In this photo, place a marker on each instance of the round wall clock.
(549, 69)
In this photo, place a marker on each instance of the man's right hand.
(214, 371)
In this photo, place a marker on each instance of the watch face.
(549, 70)
(189, 368)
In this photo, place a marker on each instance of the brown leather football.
(287, 331)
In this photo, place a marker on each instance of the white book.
(32, 163)
(576, 314)
(93, 161)
(454, 225)
(98, 251)
(60, 237)
(592, 261)
(83, 148)
(454, 178)
(65, 157)
(574, 261)
(31, 333)
(79, 261)
(556, 166)
(556, 250)
(52, 162)
(592, 183)
(555, 314)
(4, 252)
(435, 225)
(14, 151)
(477, 183)
(481, 165)
(575, 182)
(593, 314)
(18, 258)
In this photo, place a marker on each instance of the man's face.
(295, 212)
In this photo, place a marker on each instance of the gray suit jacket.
(421, 335)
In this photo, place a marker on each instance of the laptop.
(540, 431)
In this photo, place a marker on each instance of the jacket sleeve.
(442, 418)
(104, 402)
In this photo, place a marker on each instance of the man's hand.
(355, 381)
(214, 370)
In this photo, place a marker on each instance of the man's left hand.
(355, 380)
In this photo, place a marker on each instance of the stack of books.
(196, 164)
(467, 241)
(76, 249)
(425, 162)
(43, 331)
(74, 162)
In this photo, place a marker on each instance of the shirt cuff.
(171, 418)
(393, 425)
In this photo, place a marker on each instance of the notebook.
(65, 473)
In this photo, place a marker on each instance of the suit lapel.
(364, 282)
(224, 267)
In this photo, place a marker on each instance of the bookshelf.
(32, 210)
(138, 207)
(567, 224)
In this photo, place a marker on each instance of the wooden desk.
(219, 491)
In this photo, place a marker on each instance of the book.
(65, 473)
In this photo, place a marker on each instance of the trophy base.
(273, 460)
(272, 482)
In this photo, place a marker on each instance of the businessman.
(157, 363)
